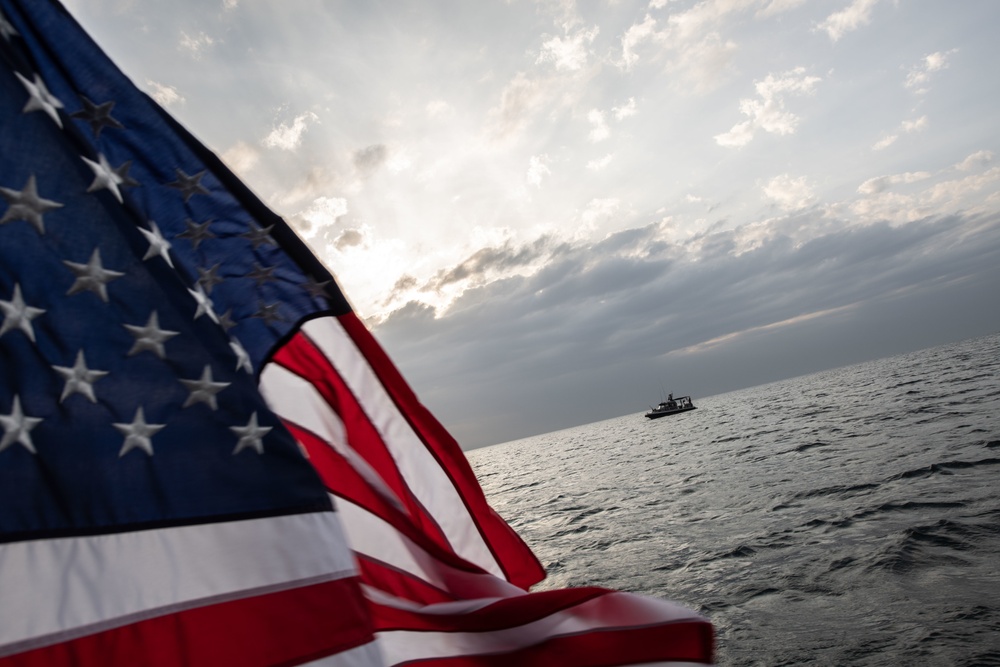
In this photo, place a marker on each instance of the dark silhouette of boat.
(671, 406)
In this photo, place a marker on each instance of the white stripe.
(297, 401)
(367, 655)
(370, 536)
(603, 614)
(421, 472)
(49, 588)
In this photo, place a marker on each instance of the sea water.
(849, 517)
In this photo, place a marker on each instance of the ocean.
(848, 517)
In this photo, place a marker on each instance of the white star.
(79, 378)
(204, 304)
(251, 435)
(242, 357)
(92, 276)
(40, 98)
(150, 337)
(17, 427)
(204, 389)
(18, 315)
(27, 205)
(107, 177)
(189, 185)
(157, 244)
(6, 29)
(138, 434)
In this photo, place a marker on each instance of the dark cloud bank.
(600, 329)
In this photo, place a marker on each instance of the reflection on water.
(846, 517)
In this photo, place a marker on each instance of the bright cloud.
(599, 130)
(857, 14)
(520, 99)
(242, 157)
(920, 75)
(779, 6)
(195, 44)
(537, 169)
(882, 201)
(600, 163)
(625, 110)
(767, 112)
(633, 38)
(288, 137)
(789, 193)
(569, 53)
(882, 183)
(885, 142)
(163, 94)
(324, 211)
(600, 209)
(974, 161)
(907, 127)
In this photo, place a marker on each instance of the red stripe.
(680, 642)
(506, 613)
(343, 480)
(300, 356)
(398, 583)
(282, 628)
(515, 558)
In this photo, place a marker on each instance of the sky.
(550, 212)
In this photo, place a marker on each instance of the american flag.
(205, 457)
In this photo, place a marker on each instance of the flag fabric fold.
(206, 458)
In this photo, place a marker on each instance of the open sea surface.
(849, 517)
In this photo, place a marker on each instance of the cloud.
(288, 137)
(439, 109)
(917, 125)
(920, 75)
(778, 6)
(163, 94)
(882, 183)
(368, 159)
(887, 198)
(520, 99)
(974, 161)
(349, 238)
(857, 14)
(907, 127)
(496, 261)
(633, 38)
(537, 169)
(885, 142)
(599, 130)
(638, 309)
(689, 41)
(600, 163)
(325, 211)
(230, 4)
(767, 112)
(241, 157)
(600, 209)
(789, 193)
(569, 53)
(625, 110)
(195, 44)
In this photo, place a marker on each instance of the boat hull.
(656, 414)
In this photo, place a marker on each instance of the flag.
(205, 457)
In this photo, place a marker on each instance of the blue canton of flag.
(142, 473)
